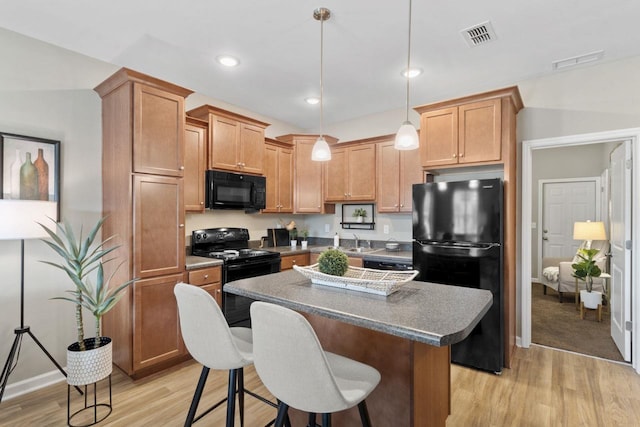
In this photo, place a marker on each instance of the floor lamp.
(19, 222)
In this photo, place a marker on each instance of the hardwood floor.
(545, 387)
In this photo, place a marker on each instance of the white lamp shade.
(589, 231)
(321, 151)
(19, 218)
(406, 138)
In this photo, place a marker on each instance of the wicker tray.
(380, 282)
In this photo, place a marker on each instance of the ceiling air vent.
(479, 34)
(577, 60)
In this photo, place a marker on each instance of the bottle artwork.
(43, 176)
(14, 176)
(28, 180)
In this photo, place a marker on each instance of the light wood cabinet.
(353, 261)
(482, 128)
(143, 130)
(288, 261)
(209, 279)
(351, 174)
(398, 170)
(158, 131)
(156, 328)
(158, 226)
(278, 170)
(195, 160)
(461, 135)
(308, 175)
(236, 142)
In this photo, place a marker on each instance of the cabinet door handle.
(202, 203)
(545, 238)
(454, 156)
(401, 205)
(461, 154)
(181, 226)
(294, 261)
(395, 206)
(181, 168)
(206, 276)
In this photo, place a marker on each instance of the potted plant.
(586, 269)
(293, 237)
(360, 214)
(304, 234)
(88, 359)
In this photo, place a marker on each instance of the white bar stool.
(216, 346)
(292, 364)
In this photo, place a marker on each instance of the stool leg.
(364, 414)
(283, 410)
(312, 420)
(196, 397)
(241, 395)
(231, 397)
(326, 420)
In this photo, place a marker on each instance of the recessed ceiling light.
(411, 73)
(227, 61)
(312, 100)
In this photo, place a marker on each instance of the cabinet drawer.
(287, 262)
(205, 276)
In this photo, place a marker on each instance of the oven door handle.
(235, 267)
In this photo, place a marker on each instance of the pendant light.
(321, 151)
(407, 136)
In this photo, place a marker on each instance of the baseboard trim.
(32, 384)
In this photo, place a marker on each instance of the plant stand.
(100, 410)
(584, 309)
(87, 368)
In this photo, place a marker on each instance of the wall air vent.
(479, 34)
(561, 64)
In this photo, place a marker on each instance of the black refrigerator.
(457, 241)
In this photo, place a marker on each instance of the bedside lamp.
(589, 231)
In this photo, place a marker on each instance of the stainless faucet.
(357, 240)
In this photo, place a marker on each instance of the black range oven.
(239, 262)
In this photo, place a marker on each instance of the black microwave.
(227, 190)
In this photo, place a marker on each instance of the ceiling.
(365, 46)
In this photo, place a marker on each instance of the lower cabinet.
(353, 260)
(288, 261)
(156, 329)
(209, 279)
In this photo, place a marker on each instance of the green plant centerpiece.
(586, 269)
(333, 262)
(304, 233)
(80, 257)
(360, 212)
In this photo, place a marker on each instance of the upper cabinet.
(308, 174)
(278, 170)
(351, 173)
(195, 161)
(398, 170)
(466, 131)
(236, 142)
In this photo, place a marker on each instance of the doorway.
(528, 188)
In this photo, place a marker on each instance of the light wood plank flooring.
(545, 387)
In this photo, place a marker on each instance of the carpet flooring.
(559, 325)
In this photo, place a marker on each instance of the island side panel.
(414, 389)
(431, 384)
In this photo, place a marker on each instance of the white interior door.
(620, 232)
(563, 203)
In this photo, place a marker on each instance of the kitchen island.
(406, 336)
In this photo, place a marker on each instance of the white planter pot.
(304, 244)
(591, 299)
(294, 243)
(359, 219)
(90, 366)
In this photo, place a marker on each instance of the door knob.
(545, 238)
(545, 231)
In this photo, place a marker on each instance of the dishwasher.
(387, 264)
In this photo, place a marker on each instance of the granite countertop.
(195, 262)
(433, 314)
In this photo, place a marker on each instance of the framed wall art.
(30, 171)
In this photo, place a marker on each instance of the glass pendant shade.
(407, 137)
(321, 151)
